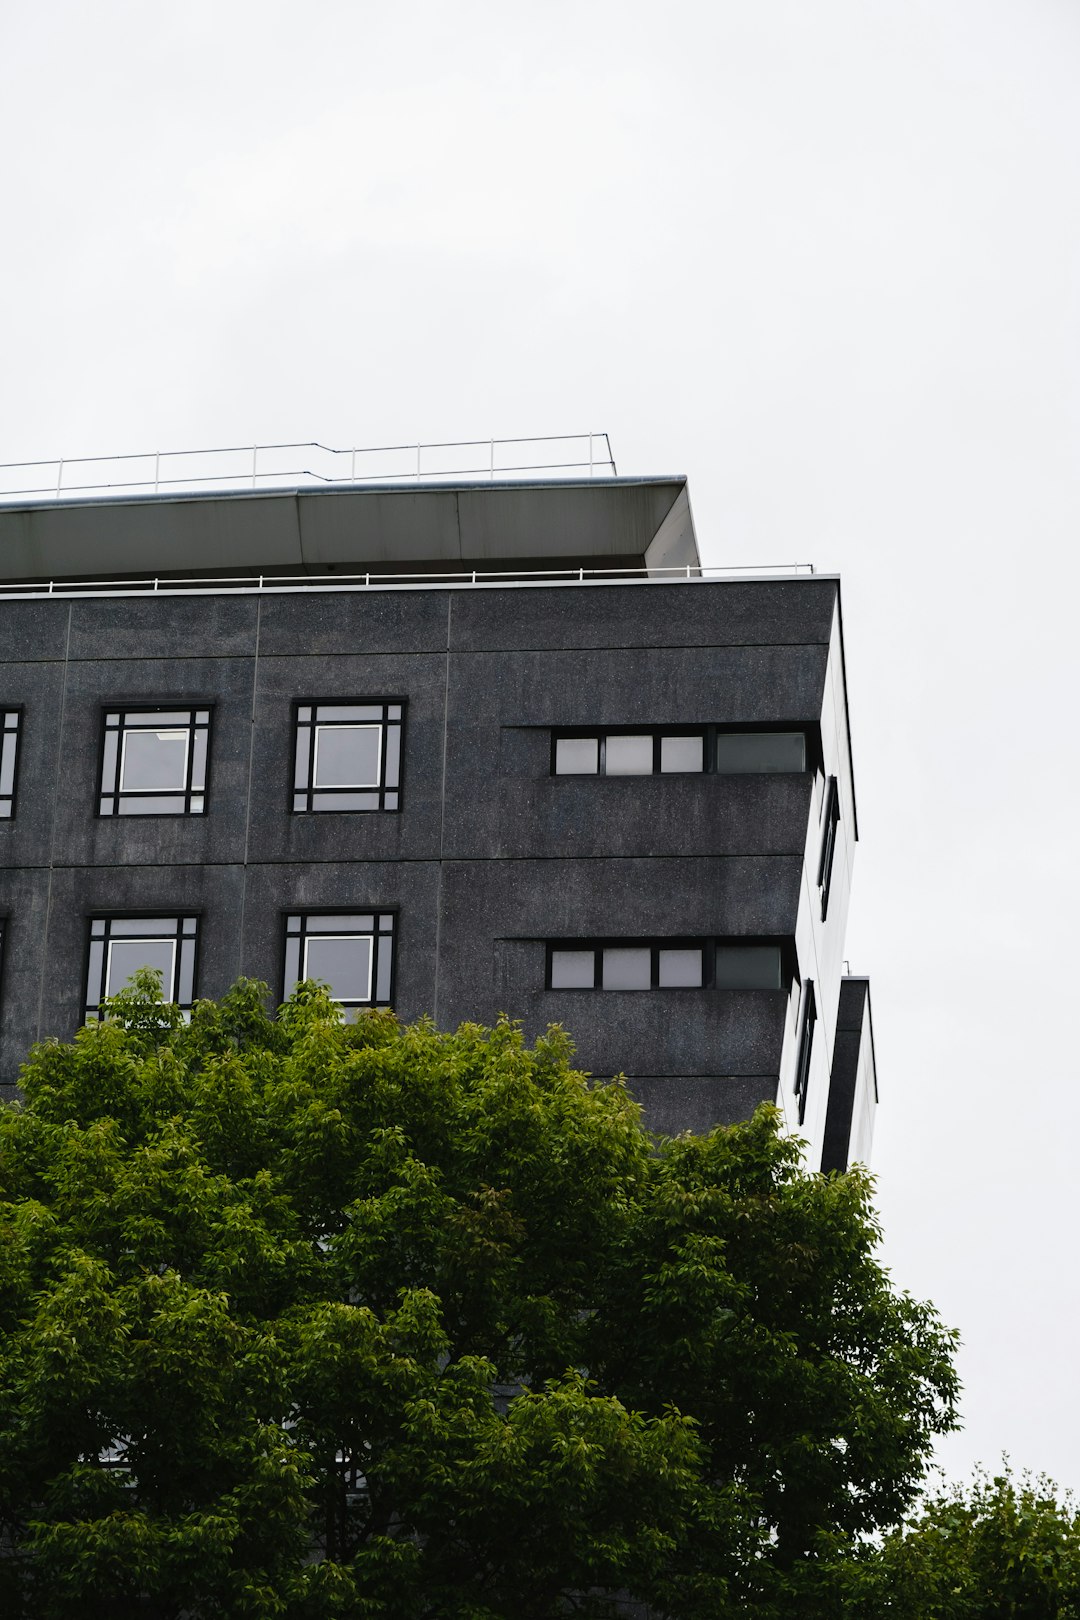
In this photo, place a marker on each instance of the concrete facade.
(491, 859)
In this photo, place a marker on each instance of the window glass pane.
(127, 955)
(573, 970)
(303, 749)
(142, 927)
(679, 967)
(682, 753)
(382, 972)
(349, 711)
(361, 922)
(154, 759)
(627, 967)
(340, 800)
(11, 720)
(761, 751)
(342, 963)
(577, 756)
(629, 756)
(7, 765)
(347, 756)
(139, 804)
(108, 768)
(393, 755)
(186, 977)
(198, 761)
(748, 967)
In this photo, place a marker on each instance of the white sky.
(825, 259)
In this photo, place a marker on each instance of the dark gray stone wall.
(488, 858)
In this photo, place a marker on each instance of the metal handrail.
(241, 584)
(350, 465)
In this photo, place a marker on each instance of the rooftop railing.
(270, 466)
(207, 584)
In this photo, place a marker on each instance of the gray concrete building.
(460, 749)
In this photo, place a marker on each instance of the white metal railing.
(266, 466)
(240, 583)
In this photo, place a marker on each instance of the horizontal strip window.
(10, 721)
(352, 953)
(674, 964)
(119, 946)
(153, 762)
(663, 752)
(348, 756)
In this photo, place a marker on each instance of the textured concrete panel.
(26, 837)
(563, 816)
(673, 1104)
(213, 893)
(670, 1032)
(163, 627)
(409, 888)
(413, 832)
(32, 630)
(705, 613)
(666, 686)
(82, 837)
(23, 909)
(360, 621)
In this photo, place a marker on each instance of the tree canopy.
(304, 1318)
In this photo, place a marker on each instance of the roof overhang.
(624, 522)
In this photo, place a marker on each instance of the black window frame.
(102, 930)
(11, 726)
(807, 1020)
(383, 933)
(200, 719)
(708, 733)
(831, 819)
(306, 723)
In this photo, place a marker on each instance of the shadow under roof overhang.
(517, 526)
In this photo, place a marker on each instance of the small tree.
(305, 1318)
(1002, 1548)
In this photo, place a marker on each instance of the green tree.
(1005, 1547)
(304, 1318)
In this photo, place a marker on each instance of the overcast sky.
(824, 258)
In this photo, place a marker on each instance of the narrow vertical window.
(9, 760)
(119, 946)
(828, 843)
(348, 756)
(352, 953)
(153, 762)
(807, 1020)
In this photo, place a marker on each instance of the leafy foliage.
(304, 1318)
(1006, 1547)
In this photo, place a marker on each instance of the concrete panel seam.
(52, 824)
(250, 775)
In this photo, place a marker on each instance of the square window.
(682, 753)
(573, 970)
(577, 756)
(627, 967)
(351, 953)
(9, 757)
(629, 756)
(680, 968)
(119, 946)
(348, 757)
(153, 762)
